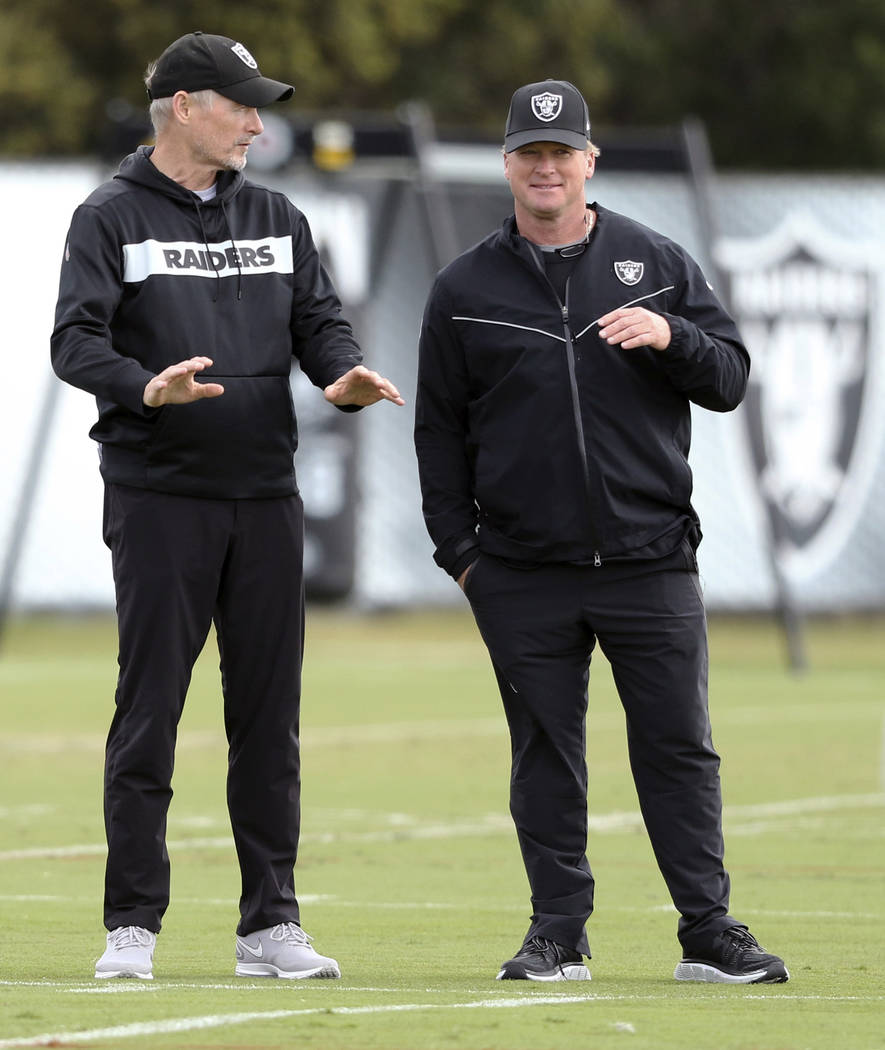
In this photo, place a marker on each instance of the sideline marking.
(32, 809)
(143, 988)
(485, 905)
(492, 824)
(94, 987)
(187, 1024)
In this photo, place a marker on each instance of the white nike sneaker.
(130, 953)
(282, 951)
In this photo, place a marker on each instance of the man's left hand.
(634, 326)
(360, 386)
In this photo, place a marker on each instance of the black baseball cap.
(199, 61)
(549, 111)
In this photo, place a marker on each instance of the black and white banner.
(809, 306)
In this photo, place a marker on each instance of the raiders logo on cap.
(242, 53)
(546, 106)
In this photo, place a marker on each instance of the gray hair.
(161, 108)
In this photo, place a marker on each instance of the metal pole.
(700, 164)
(440, 219)
(27, 495)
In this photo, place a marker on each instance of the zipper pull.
(567, 328)
(597, 561)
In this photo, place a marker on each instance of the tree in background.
(786, 86)
(796, 84)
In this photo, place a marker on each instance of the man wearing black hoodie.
(175, 270)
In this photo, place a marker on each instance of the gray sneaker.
(282, 951)
(130, 953)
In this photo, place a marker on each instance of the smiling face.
(220, 134)
(547, 181)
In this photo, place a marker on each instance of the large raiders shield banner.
(808, 305)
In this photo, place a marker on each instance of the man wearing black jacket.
(559, 358)
(185, 293)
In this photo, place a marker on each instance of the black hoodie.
(152, 276)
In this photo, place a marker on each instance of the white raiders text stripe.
(195, 259)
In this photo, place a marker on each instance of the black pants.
(179, 563)
(540, 627)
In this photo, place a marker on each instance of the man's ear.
(591, 165)
(182, 107)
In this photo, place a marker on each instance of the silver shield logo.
(806, 304)
(546, 107)
(629, 272)
(244, 56)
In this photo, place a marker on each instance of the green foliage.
(791, 85)
(42, 96)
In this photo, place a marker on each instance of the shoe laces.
(291, 934)
(536, 946)
(130, 937)
(742, 940)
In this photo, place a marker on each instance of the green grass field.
(410, 874)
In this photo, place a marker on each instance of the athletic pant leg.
(652, 628)
(260, 625)
(540, 650)
(166, 554)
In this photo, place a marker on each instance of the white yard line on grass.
(764, 816)
(149, 987)
(189, 1024)
(33, 809)
(496, 906)
(94, 987)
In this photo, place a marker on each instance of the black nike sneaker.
(734, 957)
(542, 960)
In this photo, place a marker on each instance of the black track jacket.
(539, 442)
(152, 276)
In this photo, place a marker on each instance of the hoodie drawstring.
(208, 251)
(230, 234)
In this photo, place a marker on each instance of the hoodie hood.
(139, 169)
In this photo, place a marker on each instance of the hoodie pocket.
(237, 445)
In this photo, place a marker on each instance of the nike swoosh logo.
(256, 952)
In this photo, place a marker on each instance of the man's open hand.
(360, 386)
(176, 385)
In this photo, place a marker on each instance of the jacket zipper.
(576, 409)
(576, 400)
